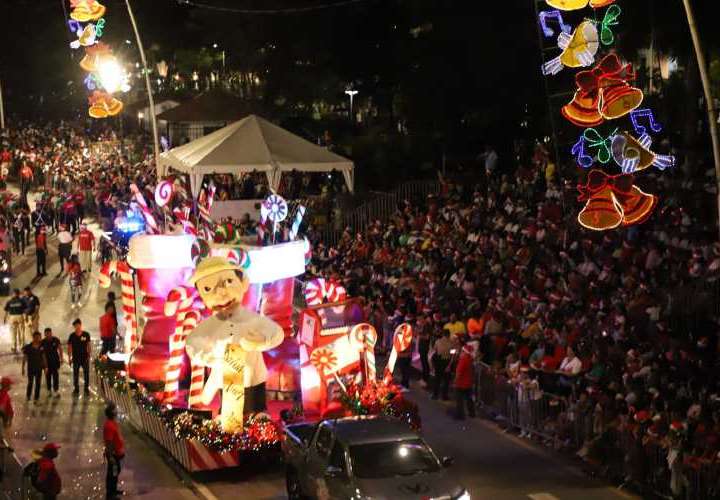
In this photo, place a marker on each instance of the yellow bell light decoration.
(93, 56)
(578, 4)
(578, 49)
(103, 105)
(86, 10)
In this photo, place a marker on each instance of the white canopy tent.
(252, 144)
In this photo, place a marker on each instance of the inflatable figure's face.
(222, 291)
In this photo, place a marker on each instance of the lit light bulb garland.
(106, 75)
(604, 93)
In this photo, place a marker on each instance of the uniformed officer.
(15, 310)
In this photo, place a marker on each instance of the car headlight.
(465, 495)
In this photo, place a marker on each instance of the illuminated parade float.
(211, 356)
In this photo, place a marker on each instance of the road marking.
(542, 496)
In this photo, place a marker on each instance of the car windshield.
(400, 458)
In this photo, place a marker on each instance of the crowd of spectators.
(622, 326)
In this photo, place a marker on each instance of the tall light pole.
(352, 94)
(2, 109)
(709, 101)
(153, 118)
(215, 46)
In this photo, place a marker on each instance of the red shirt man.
(113, 440)
(108, 323)
(86, 240)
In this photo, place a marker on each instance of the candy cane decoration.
(179, 303)
(151, 225)
(402, 338)
(319, 290)
(182, 216)
(127, 287)
(299, 214)
(364, 336)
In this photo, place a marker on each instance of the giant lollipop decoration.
(274, 209)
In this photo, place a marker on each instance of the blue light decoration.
(553, 14)
(578, 150)
(90, 82)
(130, 224)
(641, 130)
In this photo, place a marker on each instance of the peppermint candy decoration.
(319, 291)
(163, 193)
(274, 208)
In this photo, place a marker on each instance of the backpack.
(32, 470)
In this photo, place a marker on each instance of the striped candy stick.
(179, 303)
(197, 370)
(402, 338)
(151, 225)
(364, 337)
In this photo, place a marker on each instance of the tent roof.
(252, 143)
(215, 105)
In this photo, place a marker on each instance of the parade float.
(211, 357)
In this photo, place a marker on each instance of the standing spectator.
(6, 408)
(86, 246)
(423, 335)
(79, 356)
(25, 217)
(15, 309)
(32, 311)
(404, 360)
(54, 358)
(48, 481)
(65, 240)
(441, 361)
(69, 217)
(34, 359)
(26, 177)
(41, 251)
(108, 329)
(455, 326)
(114, 452)
(464, 379)
(18, 236)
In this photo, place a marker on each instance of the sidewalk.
(76, 423)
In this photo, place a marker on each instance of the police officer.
(15, 309)
(32, 311)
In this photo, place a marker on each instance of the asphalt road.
(491, 464)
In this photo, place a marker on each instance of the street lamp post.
(151, 101)
(709, 101)
(352, 94)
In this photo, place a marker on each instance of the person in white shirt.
(65, 240)
(571, 364)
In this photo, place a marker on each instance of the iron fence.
(379, 208)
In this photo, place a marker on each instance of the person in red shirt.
(464, 381)
(41, 251)
(86, 246)
(6, 408)
(114, 451)
(108, 329)
(48, 480)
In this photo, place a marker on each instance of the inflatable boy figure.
(231, 342)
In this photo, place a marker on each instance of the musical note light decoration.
(604, 93)
(105, 74)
